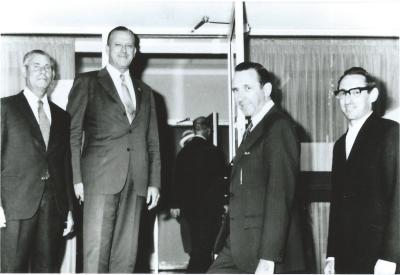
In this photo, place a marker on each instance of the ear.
(373, 95)
(267, 89)
(53, 74)
(24, 71)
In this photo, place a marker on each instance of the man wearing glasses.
(364, 234)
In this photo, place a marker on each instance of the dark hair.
(264, 76)
(29, 55)
(200, 123)
(124, 29)
(369, 79)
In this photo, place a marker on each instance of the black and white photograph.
(200, 136)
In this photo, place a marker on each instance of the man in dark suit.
(36, 189)
(198, 193)
(264, 232)
(115, 156)
(364, 218)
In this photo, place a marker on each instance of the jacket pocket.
(253, 221)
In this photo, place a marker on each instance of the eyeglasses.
(37, 68)
(355, 92)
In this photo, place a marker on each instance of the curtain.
(13, 49)
(308, 70)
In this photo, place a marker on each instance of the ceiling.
(98, 16)
(267, 17)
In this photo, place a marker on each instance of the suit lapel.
(105, 80)
(26, 111)
(138, 94)
(256, 134)
(341, 152)
(361, 138)
(54, 131)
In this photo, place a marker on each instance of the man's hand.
(384, 267)
(153, 195)
(329, 265)
(175, 212)
(2, 218)
(69, 224)
(265, 267)
(78, 188)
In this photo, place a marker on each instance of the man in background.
(265, 234)
(36, 190)
(115, 156)
(199, 193)
(364, 235)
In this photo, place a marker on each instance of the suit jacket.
(364, 216)
(199, 185)
(25, 160)
(103, 140)
(264, 212)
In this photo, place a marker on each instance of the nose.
(347, 98)
(238, 95)
(42, 70)
(123, 48)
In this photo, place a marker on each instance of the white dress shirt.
(115, 76)
(255, 119)
(33, 103)
(352, 132)
(381, 266)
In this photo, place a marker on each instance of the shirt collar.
(255, 119)
(356, 124)
(115, 74)
(32, 97)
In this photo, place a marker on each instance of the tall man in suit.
(199, 193)
(115, 156)
(264, 232)
(36, 189)
(364, 218)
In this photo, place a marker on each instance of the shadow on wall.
(383, 102)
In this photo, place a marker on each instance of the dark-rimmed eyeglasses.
(355, 92)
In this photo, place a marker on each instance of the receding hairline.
(29, 55)
(110, 35)
(352, 75)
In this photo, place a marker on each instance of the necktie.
(247, 131)
(127, 100)
(44, 123)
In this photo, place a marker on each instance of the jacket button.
(128, 149)
(130, 131)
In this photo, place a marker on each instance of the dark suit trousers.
(203, 232)
(224, 263)
(110, 230)
(34, 244)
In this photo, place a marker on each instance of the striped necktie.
(127, 99)
(44, 123)
(248, 129)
